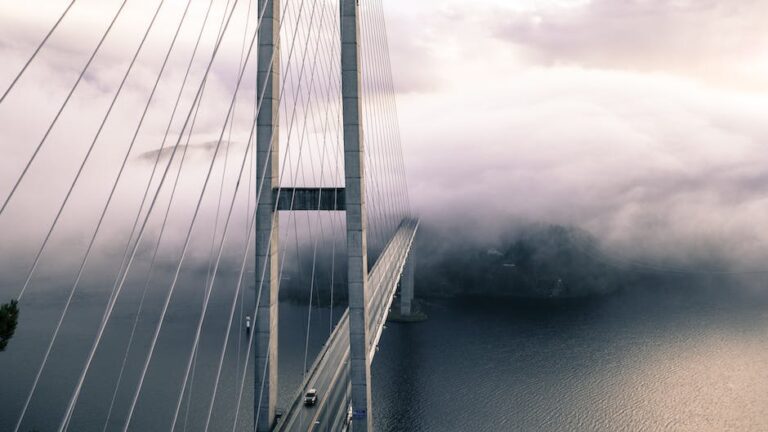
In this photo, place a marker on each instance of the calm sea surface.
(653, 361)
(659, 360)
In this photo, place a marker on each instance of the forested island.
(532, 261)
(538, 261)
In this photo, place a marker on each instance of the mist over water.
(157, 402)
(532, 330)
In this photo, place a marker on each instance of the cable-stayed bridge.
(270, 136)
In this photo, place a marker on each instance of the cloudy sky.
(643, 121)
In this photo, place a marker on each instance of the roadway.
(329, 374)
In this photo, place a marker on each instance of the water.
(160, 393)
(652, 361)
(673, 360)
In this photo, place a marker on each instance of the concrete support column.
(406, 287)
(267, 221)
(357, 255)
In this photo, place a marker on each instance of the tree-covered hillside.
(539, 261)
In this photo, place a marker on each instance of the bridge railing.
(386, 281)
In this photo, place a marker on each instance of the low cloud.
(656, 166)
(716, 40)
(591, 114)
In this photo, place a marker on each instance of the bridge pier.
(406, 288)
(357, 256)
(267, 220)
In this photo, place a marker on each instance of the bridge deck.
(329, 373)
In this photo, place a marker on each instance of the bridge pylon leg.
(357, 255)
(267, 220)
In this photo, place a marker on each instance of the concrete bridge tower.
(357, 257)
(267, 219)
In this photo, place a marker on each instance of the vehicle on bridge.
(310, 399)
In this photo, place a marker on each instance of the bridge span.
(321, 138)
(329, 374)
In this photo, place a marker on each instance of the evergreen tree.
(9, 317)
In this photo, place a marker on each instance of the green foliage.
(9, 318)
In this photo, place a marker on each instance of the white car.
(310, 399)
